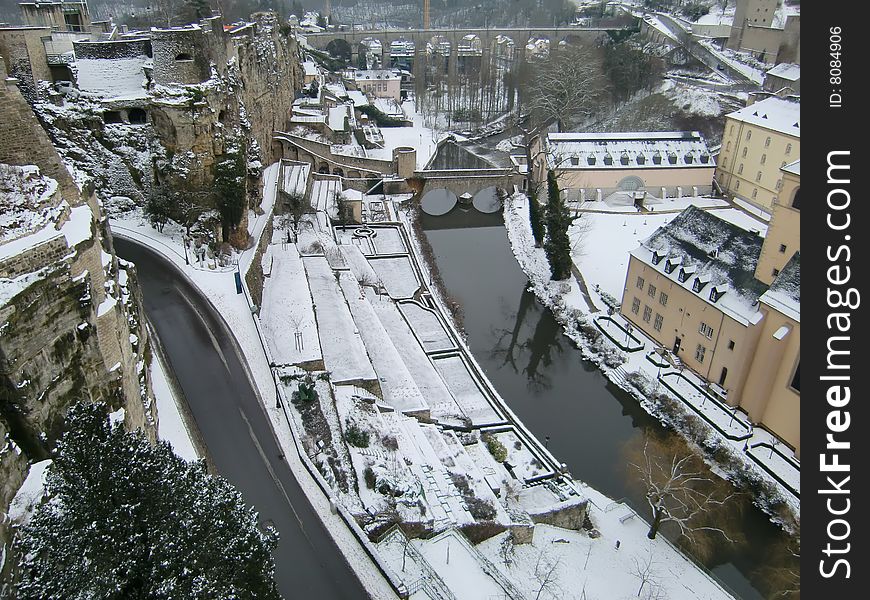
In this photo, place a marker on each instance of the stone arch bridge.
(487, 36)
(462, 181)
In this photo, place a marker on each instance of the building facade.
(380, 84)
(592, 166)
(692, 288)
(758, 141)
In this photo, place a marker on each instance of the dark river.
(546, 382)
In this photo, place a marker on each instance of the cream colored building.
(380, 84)
(692, 287)
(592, 166)
(758, 141)
(784, 232)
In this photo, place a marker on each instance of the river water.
(557, 394)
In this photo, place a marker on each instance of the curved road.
(235, 428)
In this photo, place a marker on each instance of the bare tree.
(644, 570)
(680, 488)
(547, 574)
(296, 207)
(569, 85)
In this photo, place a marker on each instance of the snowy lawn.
(731, 423)
(398, 275)
(427, 326)
(466, 391)
(287, 315)
(525, 464)
(343, 351)
(388, 240)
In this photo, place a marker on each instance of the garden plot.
(407, 562)
(445, 505)
(322, 436)
(288, 315)
(493, 471)
(776, 459)
(346, 237)
(398, 275)
(525, 464)
(427, 326)
(397, 383)
(359, 266)
(380, 470)
(429, 382)
(344, 354)
(465, 390)
(389, 241)
(460, 566)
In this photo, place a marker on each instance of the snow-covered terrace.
(711, 258)
(645, 150)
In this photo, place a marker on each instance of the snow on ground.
(170, 425)
(389, 241)
(398, 275)
(219, 289)
(602, 258)
(735, 61)
(693, 100)
(397, 384)
(587, 568)
(465, 390)
(29, 494)
(344, 353)
(323, 195)
(426, 326)
(287, 315)
(419, 136)
(458, 564)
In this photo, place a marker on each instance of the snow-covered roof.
(359, 98)
(787, 71)
(644, 149)
(775, 114)
(310, 68)
(784, 294)
(711, 258)
(337, 115)
(383, 74)
(793, 168)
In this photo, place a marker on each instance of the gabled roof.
(787, 71)
(793, 168)
(709, 253)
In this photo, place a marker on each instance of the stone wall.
(24, 56)
(180, 55)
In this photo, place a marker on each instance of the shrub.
(390, 442)
(369, 477)
(305, 393)
(495, 447)
(355, 436)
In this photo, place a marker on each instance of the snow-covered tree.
(125, 518)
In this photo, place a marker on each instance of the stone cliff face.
(70, 312)
(211, 94)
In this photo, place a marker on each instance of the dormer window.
(698, 285)
(685, 273)
(641, 159)
(608, 160)
(688, 158)
(657, 159)
(624, 159)
(590, 160)
(657, 258)
(575, 160)
(670, 265)
(705, 158)
(716, 293)
(672, 158)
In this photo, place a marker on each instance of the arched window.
(788, 149)
(796, 199)
(767, 142)
(748, 135)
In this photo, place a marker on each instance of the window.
(796, 380)
(731, 344)
(767, 142)
(737, 185)
(763, 158)
(748, 135)
(699, 353)
(745, 150)
(782, 248)
(758, 176)
(787, 149)
(754, 193)
(728, 147)
(635, 306)
(647, 313)
(651, 292)
(731, 131)
(740, 169)
(657, 325)
(663, 299)
(706, 331)
(779, 185)
(640, 283)
(775, 272)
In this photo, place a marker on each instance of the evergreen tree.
(158, 207)
(128, 519)
(558, 245)
(536, 219)
(229, 191)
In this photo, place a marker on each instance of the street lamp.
(185, 241)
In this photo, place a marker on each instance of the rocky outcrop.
(70, 312)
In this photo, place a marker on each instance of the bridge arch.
(341, 49)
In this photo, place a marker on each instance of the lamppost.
(185, 241)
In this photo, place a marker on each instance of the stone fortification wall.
(114, 49)
(24, 55)
(180, 55)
